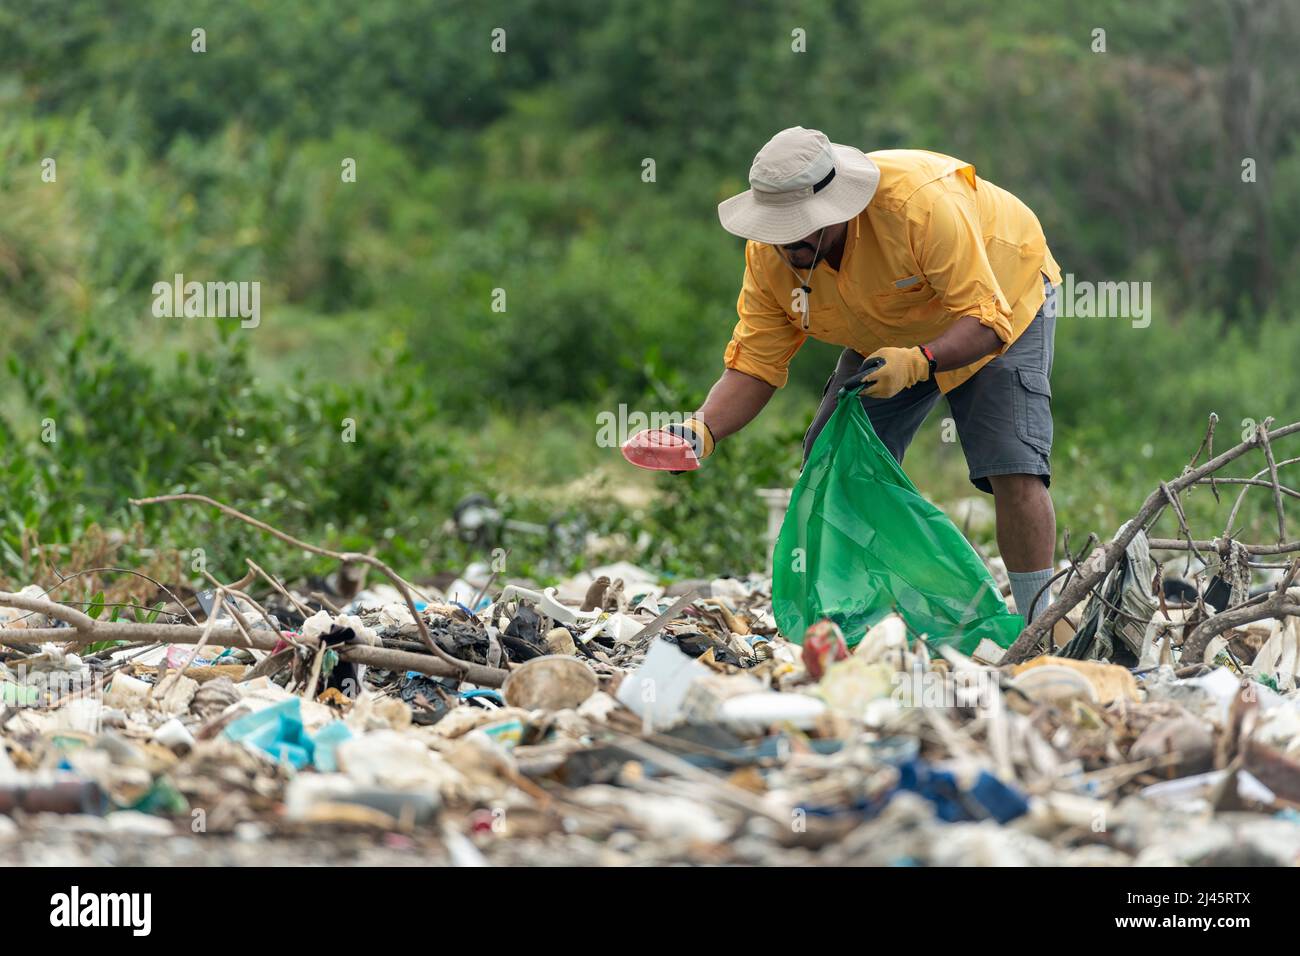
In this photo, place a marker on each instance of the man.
(909, 258)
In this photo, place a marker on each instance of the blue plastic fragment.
(1003, 802)
(989, 797)
(278, 731)
(327, 741)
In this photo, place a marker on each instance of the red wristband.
(929, 357)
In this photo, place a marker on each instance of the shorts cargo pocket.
(1034, 409)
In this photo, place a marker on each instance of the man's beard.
(802, 255)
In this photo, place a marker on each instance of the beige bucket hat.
(801, 182)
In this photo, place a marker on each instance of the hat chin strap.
(804, 280)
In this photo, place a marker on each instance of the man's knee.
(1015, 489)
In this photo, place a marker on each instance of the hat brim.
(856, 178)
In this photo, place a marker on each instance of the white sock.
(1024, 585)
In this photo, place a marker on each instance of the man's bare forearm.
(965, 341)
(733, 402)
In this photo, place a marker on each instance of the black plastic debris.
(523, 635)
(430, 698)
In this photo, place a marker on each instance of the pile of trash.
(635, 723)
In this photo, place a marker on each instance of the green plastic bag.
(859, 541)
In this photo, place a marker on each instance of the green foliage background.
(523, 171)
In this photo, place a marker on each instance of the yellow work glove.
(903, 368)
(695, 432)
(675, 448)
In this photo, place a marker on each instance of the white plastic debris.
(547, 603)
(320, 623)
(127, 693)
(753, 713)
(1279, 658)
(655, 690)
(1191, 794)
(174, 736)
(389, 758)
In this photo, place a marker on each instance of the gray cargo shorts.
(1003, 412)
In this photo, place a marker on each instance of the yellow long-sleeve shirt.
(935, 243)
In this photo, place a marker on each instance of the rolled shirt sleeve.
(764, 339)
(946, 238)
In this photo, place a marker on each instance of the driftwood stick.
(1290, 492)
(140, 574)
(1272, 476)
(82, 624)
(1178, 544)
(381, 657)
(270, 579)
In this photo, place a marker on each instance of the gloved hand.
(902, 369)
(695, 432)
(665, 449)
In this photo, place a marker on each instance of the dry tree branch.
(83, 624)
(243, 596)
(1207, 446)
(402, 585)
(1251, 481)
(217, 605)
(1207, 443)
(1027, 643)
(308, 687)
(1278, 603)
(1272, 474)
(271, 579)
(1178, 544)
(381, 657)
(238, 615)
(1049, 582)
(1172, 497)
(72, 577)
(1236, 505)
(1095, 590)
(140, 574)
(326, 603)
(1076, 557)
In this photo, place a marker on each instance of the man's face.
(803, 253)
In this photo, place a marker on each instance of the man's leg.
(895, 420)
(1004, 420)
(1026, 522)
(1026, 538)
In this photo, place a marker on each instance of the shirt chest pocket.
(895, 304)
